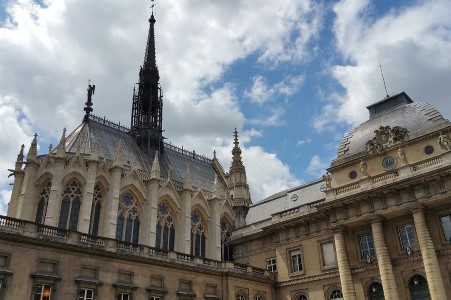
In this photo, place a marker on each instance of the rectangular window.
(271, 264)
(407, 237)
(328, 254)
(86, 294)
(446, 225)
(42, 292)
(155, 298)
(366, 246)
(296, 262)
(123, 296)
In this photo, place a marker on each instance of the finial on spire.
(88, 108)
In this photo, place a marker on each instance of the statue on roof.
(444, 142)
(88, 103)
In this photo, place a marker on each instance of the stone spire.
(19, 160)
(147, 108)
(238, 187)
(155, 171)
(60, 149)
(33, 151)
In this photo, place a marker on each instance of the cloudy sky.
(291, 76)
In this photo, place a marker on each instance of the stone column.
(383, 261)
(88, 194)
(214, 230)
(26, 207)
(344, 266)
(430, 262)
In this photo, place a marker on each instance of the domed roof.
(397, 110)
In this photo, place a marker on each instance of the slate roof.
(174, 159)
(412, 116)
(285, 200)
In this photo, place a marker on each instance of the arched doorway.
(419, 289)
(376, 292)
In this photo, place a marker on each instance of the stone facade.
(108, 214)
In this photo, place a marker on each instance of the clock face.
(388, 163)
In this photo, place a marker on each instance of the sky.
(292, 76)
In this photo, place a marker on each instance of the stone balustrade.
(81, 240)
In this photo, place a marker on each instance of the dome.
(396, 111)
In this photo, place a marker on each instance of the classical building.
(117, 213)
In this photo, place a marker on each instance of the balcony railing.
(95, 243)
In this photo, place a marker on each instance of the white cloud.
(317, 167)
(272, 120)
(303, 141)
(260, 92)
(412, 43)
(5, 195)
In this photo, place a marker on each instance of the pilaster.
(53, 205)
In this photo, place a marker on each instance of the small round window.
(353, 174)
(429, 150)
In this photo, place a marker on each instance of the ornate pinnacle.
(32, 153)
(155, 171)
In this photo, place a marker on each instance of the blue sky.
(292, 76)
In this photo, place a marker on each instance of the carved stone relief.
(385, 137)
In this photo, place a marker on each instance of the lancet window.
(226, 234)
(128, 219)
(70, 205)
(165, 228)
(42, 204)
(95, 209)
(197, 234)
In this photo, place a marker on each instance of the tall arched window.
(42, 204)
(336, 295)
(128, 217)
(95, 209)
(165, 228)
(197, 234)
(70, 205)
(226, 234)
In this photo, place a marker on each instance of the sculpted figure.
(444, 142)
(363, 168)
(328, 180)
(402, 156)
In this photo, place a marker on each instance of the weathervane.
(88, 108)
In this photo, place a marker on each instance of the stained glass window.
(70, 205)
(95, 209)
(197, 234)
(128, 219)
(165, 228)
(226, 234)
(42, 204)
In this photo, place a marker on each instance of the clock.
(388, 163)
